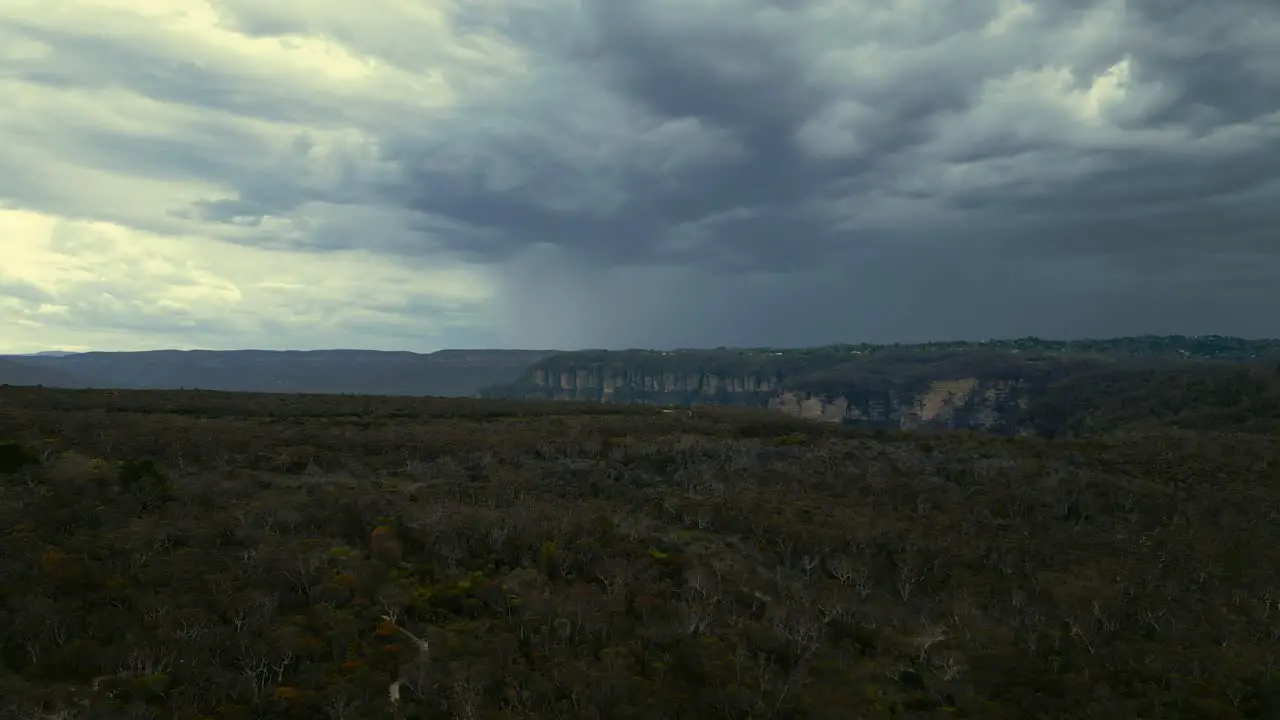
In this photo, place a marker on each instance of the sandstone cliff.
(993, 386)
(971, 402)
(607, 384)
(995, 405)
(818, 389)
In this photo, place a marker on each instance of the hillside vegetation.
(1192, 396)
(209, 555)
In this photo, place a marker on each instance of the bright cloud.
(75, 284)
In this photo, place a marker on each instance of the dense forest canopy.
(219, 555)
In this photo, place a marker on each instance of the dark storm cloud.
(700, 172)
(1161, 217)
(748, 135)
(815, 118)
(1207, 191)
(1225, 59)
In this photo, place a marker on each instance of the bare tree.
(927, 639)
(907, 579)
(411, 673)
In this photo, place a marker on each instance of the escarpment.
(1010, 387)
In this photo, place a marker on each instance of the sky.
(424, 174)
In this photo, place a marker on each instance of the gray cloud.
(699, 172)
(819, 112)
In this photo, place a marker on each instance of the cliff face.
(992, 404)
(970, 402)
(1024, 386)
(621, 384)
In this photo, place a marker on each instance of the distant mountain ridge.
(1018, 386)
(445, 373)
(14, 372)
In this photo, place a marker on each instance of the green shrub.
(144, 480)
(14, 457)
